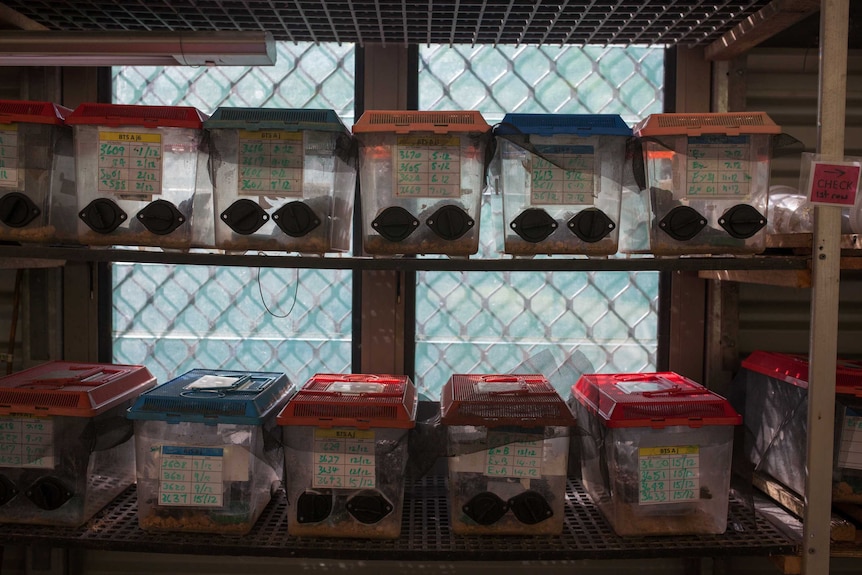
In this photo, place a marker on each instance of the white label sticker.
(270, 163)
(718, 167)
(356, 387)
(565, 178)
(669, 474)
(8, 156)
(344, 459)
(642, 386)
(214, 382)
(428, 167)
(498, 386)
(191, 476)
(850, 450)
(515, 455)
(27, 442)
(130, 165)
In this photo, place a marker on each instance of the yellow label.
(445, 140)
(129, 137)
(9, 127)
(675, 450)
(270, 135)
(343, 434)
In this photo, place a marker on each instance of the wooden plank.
(17, 20)
(773, 18)
(788, 564)
(783, 278)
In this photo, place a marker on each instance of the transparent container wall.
(574, 178)
(204, 478)
(152, 165)
(330, 480)
(300, 183)
(667, 481)
(698, 194)
(78, 474)
(37, 163)
(525, 470)
(405, 172)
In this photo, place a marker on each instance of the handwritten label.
(130, 164)
(850, 450)
(565, 178)
(669, 474)
(27, 442)
(427, 167)
(344, 459)
(718, 167)
(515, 455)
(8, 156)
(191, 476)
(270, 163)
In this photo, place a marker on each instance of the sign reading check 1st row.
(834, 183)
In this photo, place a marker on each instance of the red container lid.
(30, 112)
(497, 400)
(360, 400)
(654, 400)
(145, 116)
(793, 369)
(70, 388)
(407, 121)
(727, 123)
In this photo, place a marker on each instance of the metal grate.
(604, 22)
(425, 535)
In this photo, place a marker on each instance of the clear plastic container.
(509, 447)
(37, 173)
(655, 452)
(345, 444)
(282, 180)
(421, 177)
(561, 178)
(136, 173)
(776, 408)
(707, 182)
(208, 451)
(65, 443)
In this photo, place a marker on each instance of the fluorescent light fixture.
(49, 48)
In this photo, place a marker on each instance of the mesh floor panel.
(684, 22)
(425, 535)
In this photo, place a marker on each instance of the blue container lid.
(557, 124)
(293, 120)
(215, 396)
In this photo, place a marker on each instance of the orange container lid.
(496, 400)
(729, 124)
(358, 400)
(407, 121)
(71, 388)
(31, 112)
(115, 115)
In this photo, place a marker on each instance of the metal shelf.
(425, 535)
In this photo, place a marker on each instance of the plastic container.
(37, 173)
(208, 452)
(561, 178)
(65, 443)
(136, 173)
(345, 444)
(421, 177)
(776, 401)
(509, 447)
(707, 182)
(282, 180)
(655, 452)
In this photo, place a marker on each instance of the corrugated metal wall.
(784, 83)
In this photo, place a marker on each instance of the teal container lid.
(292, 120)
(215, 396)
(558, 124)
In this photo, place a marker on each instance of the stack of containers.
(508, 444)
(421, 178)
(65, 443)
(561, 177)
(37, 173)
(707, 184)
(208, 452)
(776, 390)
(655, 452)
(282, 180)
(345, 443)
(136, 173)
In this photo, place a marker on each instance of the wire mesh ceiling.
(684, 22)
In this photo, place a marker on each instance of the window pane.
(558, 323)
(174, 318)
